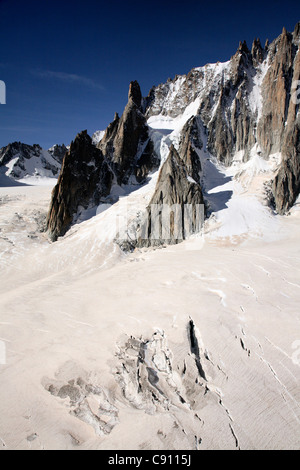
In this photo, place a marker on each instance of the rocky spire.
(88, 171)
(125, 136)
(190, 141)
(243, 47)
(176, 209)
(276, 94)
(135, 94)
(296, 33)
(230, 117)
(257, 52)
(286, 185)
(84, 178)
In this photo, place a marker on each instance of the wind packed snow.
(190, 346)
(239, 203)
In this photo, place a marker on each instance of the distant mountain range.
(21, 162)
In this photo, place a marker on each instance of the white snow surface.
(255, 99)
(73, 311)
(68, 309)
(97, 136)
(239, 203)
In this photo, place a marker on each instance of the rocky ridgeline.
(58, 152)
(175, 189)
(88, 171)
(244, 102)
(19, 160)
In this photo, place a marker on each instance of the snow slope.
(193, 346)
(75, 313)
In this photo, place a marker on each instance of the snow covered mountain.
(107, 344)
(229, 113)
(22, 163)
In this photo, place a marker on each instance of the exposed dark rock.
(126, 136)
(190, 141)
(231, 126)
(148, 162)
(286, 186)
(14, 149)
(257, 52)
(276, 94)
(267, 43)
(134, 94)
(58, 152)
(88, 171)
(176, 208)
(296, 33)
(232, 120)
(85, 177)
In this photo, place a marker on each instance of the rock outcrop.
(240, 105)
(243, 103)
(126, 142)
(58, 152)
(85, 177)
(286, 185)
(89, 170)
(189, 144)
(176, 209)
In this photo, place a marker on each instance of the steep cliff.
(126, 142)
(85, 177)
(227, 110)
(176, 209)
(243, 103)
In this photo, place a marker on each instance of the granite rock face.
(89, 170)
(58, 152)
(126, 142)
(189, 144)
(243, 104)
(85, 177)
(176, 209)
(286, 185)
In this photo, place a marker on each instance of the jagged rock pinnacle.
(296, 33)
(84, 178)
(257, 51)
(243, 47)
(135, 94)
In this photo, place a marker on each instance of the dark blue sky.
(67, 64)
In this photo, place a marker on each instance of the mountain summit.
(230, 112)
